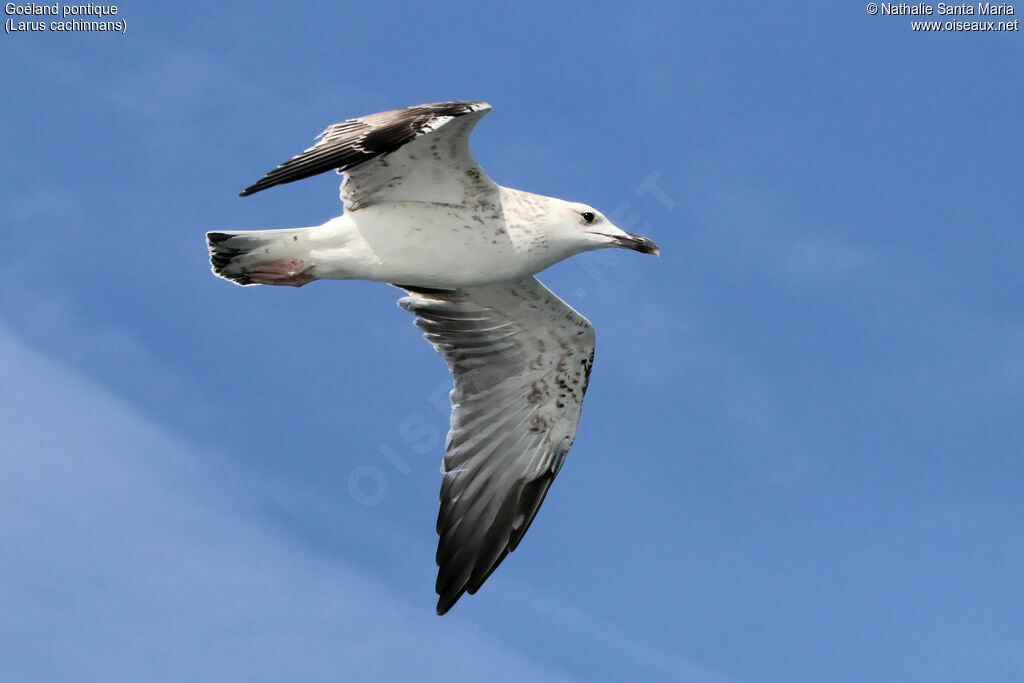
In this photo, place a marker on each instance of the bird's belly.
(432, 246)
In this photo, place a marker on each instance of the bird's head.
(584, 228)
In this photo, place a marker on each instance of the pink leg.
(292, 273)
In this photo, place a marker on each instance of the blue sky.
(799, 459)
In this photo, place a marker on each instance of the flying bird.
(420, 213)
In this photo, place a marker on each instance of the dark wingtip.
(445, 602)
(369, 141)
(449, 590)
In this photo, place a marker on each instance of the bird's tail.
(261, 257)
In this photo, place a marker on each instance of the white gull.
(422, 215)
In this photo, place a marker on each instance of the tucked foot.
(291, 273)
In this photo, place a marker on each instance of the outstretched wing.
(521, 360)
(413, 154)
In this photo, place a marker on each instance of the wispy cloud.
(128, 554)
(599, 634)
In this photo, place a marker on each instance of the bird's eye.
(588, 216)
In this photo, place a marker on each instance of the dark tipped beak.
(638, 243)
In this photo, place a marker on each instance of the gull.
(420, 214)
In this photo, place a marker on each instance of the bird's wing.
(413, 154)
(521, 360)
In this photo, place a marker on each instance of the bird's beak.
(637, 243)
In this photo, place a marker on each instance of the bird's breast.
(447, 246)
